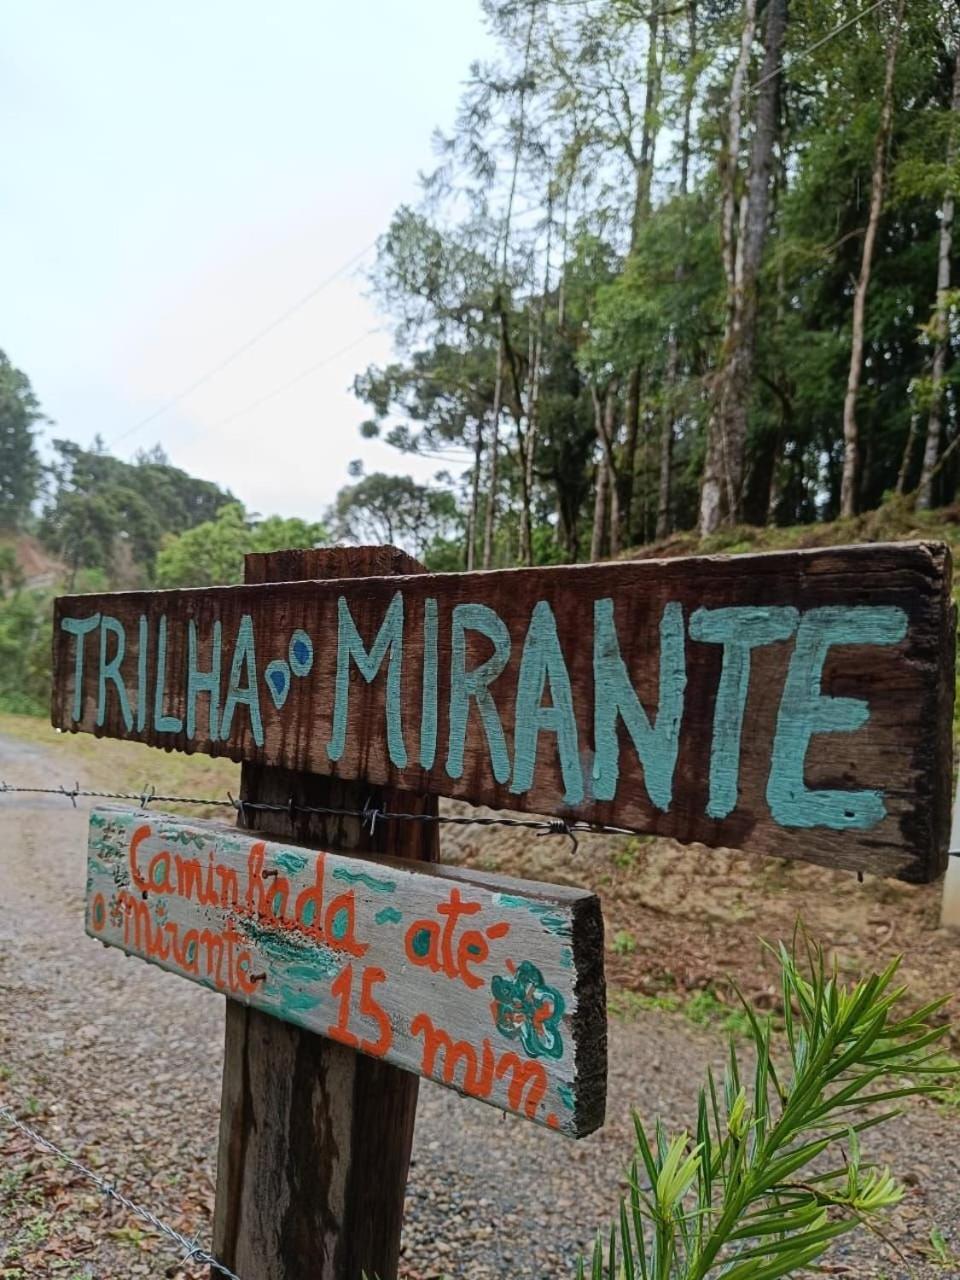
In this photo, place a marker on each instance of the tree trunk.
(941, 331)
(851, 433)
(666, 440)
(473, 526)
(651, 111)
(491, 510)
(907, 455)
(690, 78)
(599, 511)
(605, 419)
(712, 485)
(613, 478)
(631, 413)
(622, 499)
(525, 441)
(669, 419)
(736, 379)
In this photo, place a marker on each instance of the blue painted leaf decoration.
(525, 1008)
(277, 676)
(300, 652)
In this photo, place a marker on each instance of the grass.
(895, 521)
(110, 764)
(701, 1008)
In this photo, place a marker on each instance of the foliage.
(211, 554)
(560, 297)
(398, 511)
(19, 464)
(25, 651)
(774, 1171)
(111, 515)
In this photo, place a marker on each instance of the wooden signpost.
(797, 704)
(491, 985)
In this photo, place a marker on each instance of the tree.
(941, 317)
(851, 431)
(19, 463)
(211, 554)
(633, 294)
(112, 515)
(398, 511)
(743, 254)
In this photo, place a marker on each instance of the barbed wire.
(191, 1250)
(370, 815)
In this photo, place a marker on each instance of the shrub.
(774, 1172)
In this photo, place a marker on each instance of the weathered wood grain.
(315, 1138)
(488, 984)
(797, 704)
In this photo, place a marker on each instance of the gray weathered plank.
(488, 984)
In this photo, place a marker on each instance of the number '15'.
(342, 987)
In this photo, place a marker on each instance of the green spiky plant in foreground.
(774, 1172)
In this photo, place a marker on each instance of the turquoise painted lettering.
(207, 682)
(244, 663)
(739, 630)
(805, 711)
(615, 697)
(389, 639)
(542, 661)
(110, 670)
(143, 643)
(428, 702)
(475, 684)
(161, 722)
(80, 628)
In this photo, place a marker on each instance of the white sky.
(174, 177)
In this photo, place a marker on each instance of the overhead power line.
(244, 346)
(818, 44)
(285, 386)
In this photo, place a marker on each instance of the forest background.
(681, 277)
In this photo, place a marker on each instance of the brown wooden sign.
(797, 704)
(489, 985)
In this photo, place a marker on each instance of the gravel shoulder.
(120, 1064)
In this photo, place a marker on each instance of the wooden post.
(314, 1138)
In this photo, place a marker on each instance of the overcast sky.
(176, 176)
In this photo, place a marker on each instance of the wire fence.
(370, 815)
(190, 1250)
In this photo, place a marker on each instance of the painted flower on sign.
(526, 1009)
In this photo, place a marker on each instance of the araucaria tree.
(682, 264)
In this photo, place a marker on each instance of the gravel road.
(120, 1063)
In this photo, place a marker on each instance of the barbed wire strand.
(191, 1250)
(370, 814)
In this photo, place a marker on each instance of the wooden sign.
(490, 985)
(797, 703)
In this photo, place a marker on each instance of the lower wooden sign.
(490, 985)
